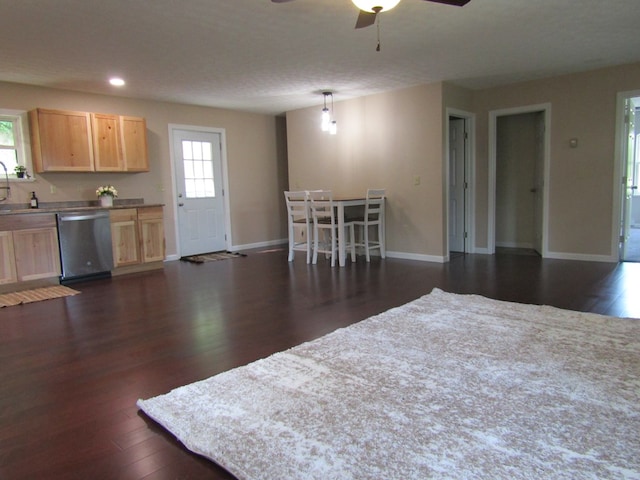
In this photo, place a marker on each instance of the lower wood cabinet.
(151, 228)
(124, 237)
(137, 236)
(28, 248)
(8, 272)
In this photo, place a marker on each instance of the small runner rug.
(211, 257)
(35, 295)
(445, 387)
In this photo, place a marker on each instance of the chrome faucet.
(6, 188)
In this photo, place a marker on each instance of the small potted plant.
(20, 170)
(105, 194)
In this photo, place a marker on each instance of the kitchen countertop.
(55, 207)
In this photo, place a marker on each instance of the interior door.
(200, 196)
(628, 183)
(456, 184)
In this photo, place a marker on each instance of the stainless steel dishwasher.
(85, 245)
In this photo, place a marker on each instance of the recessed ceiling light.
(116, 82)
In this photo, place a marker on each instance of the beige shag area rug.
(35, 295)
(447, 386)
(211, 257)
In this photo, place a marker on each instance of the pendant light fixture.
(326, 116)
(328, 124)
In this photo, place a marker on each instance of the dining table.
(342, 203)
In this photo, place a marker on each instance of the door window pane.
(197, 158)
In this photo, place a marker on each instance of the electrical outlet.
(53, 189)
(416, 180)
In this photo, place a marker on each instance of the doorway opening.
(518, 169)
(627, 232)
(200, 184)
(460, 174)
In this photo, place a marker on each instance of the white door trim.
(225, 178)
(470, 175)
(491, 201)
(619, 150)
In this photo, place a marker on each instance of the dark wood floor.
(72, 369)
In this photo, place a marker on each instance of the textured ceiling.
(259, 56)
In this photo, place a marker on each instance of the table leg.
(341, 242)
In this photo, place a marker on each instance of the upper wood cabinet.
(65, 141)
(134, 144)
(107, 150)
(61, 141)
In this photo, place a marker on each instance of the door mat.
(211, 257)
(35, 295)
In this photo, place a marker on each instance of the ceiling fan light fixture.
(375, 6)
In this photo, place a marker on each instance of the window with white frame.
(14, 148)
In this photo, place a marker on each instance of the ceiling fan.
(369, 9)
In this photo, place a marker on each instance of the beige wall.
(256, 160)
(583, 106)
(389, 139)
(384, 141)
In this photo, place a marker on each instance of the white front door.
(628, 250)
(456, 184)
(199, 191)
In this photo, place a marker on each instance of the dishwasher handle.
(75, 217)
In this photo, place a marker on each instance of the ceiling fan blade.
(365, 19)
(455, 3)
(281, 1)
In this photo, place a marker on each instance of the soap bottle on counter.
(33, 202)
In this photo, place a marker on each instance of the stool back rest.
(374, 206)
(297, 206)
(322, 206)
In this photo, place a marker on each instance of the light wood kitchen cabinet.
(7, 259)
(151, 227)
(28, 248)
(124, 237)
(137, 236)
(134, 143)
(66, 141)
(37, 254)
(61, 141)
(107, 149)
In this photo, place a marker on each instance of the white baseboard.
(417, 256)
(581, 257)
(248, 246)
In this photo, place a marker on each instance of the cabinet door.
(152, 233)
(7, 259)
(36, 253)
(61, 141)
(107, 150)
(151, 225)
(124, 237)
(134, 144)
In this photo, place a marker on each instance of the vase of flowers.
(105, 194)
